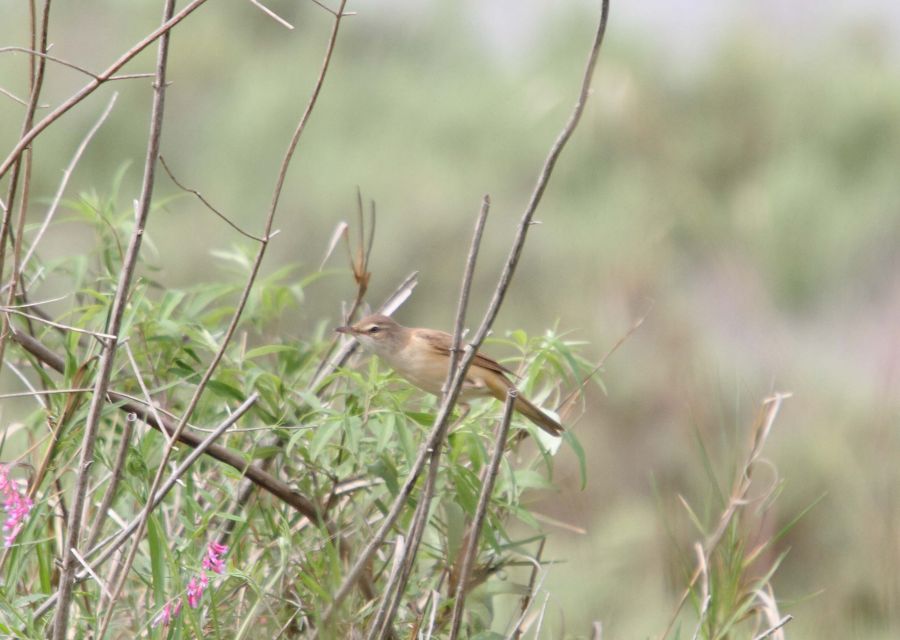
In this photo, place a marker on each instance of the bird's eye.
(374, 328)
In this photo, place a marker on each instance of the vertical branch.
(543, 179)
(113, 486)
(528, 598)
(487, 488)
(36, 80)
(467, 286)
(107, 358)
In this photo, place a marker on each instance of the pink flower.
(197, 585)
(16, 504)
(169, 612)
(213, 559)
(195, 589)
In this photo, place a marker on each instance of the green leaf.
(467, 486)
(170, 300)
(572, 440)
(384, 431)
(384, 469)
(322, 437)
(156, 540)
(226, 390)
(455, 520)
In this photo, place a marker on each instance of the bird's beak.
(348, 330)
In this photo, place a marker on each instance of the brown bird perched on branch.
(422, 356)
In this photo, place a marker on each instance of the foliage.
(346, 446)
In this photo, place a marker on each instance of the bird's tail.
(498, 385)
(537, 416)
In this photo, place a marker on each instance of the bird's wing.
(441, 342)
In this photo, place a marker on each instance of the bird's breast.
(421, 366)
(426, 369)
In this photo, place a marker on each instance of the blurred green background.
(735, 178)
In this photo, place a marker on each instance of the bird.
(422, 357)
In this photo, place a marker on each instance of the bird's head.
(378, 334)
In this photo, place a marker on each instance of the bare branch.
(206, 202)
(528, 598)
(543, 179)
(13, 97)
(463, 304)
(41, 392)
(772, 630)
(277, 18)
(71, 65)
(487, 488)
(65, 180)
(572, 395)
(107, 358)
(140, 378)
(110, 494)
(22, 164)
(102, 337)
(90, 571)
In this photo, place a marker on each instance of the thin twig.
(13, 97)
(277, 18)
(487, 488)
(72, 65)
(561, 407)
(140, 379)
(107, 358)
(771, 614)
(528, 598)
(463, 304)
(207, 203)
(65, 179)
(544, 177)
(102, 337)
(110, 494)
(22, 165)
(36, 394)
(90, 571)
(397, 580)
(41, 392)
(769, 632)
